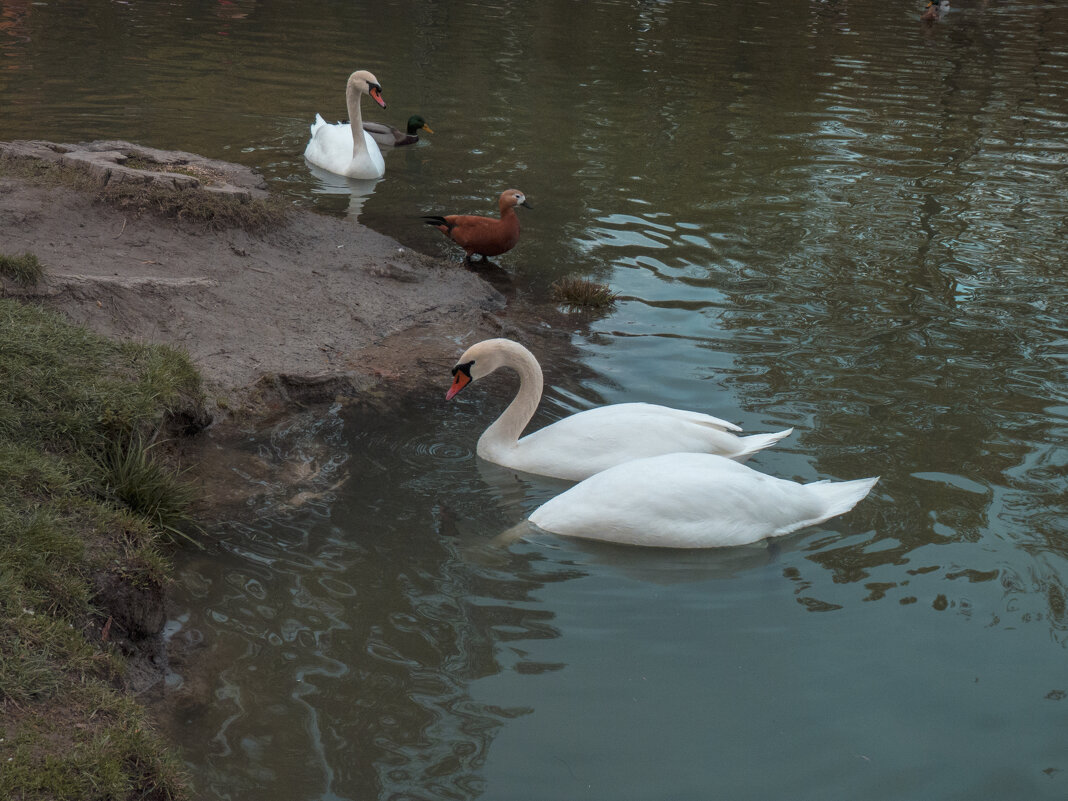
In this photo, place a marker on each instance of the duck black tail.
(436, 221)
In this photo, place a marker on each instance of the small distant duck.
(394, 137)
(484, 236)
(587, 442)
(337, 148)
(935, 10)
(692, 500)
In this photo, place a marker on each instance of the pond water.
(826, 215)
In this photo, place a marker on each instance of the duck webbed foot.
(483, 262)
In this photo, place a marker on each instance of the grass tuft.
(146, 486)
(24, 269)
(583, 293)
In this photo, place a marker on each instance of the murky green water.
(824, 215)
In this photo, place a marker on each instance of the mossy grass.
(583, 293)
(24, 269)
(85, 495)
(216, 210)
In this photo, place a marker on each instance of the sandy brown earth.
(316, 307)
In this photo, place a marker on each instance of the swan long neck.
(353, 95)
(505, 430)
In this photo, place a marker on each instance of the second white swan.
(692, 500)
(588, 442)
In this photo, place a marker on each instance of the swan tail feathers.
(838, 497)
(319, 123)
(757, 442)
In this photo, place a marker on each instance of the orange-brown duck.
(484, 236)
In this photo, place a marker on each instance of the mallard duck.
(394, 137)
(484, 236)
(337, 148)
(587, 442)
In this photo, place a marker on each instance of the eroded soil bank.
(276, 317)
(314, 307)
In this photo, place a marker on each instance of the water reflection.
(365, 609)
(340, 189)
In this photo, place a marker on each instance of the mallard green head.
(416, 124)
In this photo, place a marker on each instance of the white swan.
(590, 441)
(692, 500)
(335, 148)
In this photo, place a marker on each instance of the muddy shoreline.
(315, 307)
(312, 311)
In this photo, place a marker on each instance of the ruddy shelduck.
(484, 236)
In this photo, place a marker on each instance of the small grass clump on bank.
(84, 507)
(583, 293)
(149, 488)
(216, 210)
(24, 269)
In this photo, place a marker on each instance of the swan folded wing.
(588, 442)
(331, 148)
(697, 418)
(643, 506)
(329, 144)
(692, 501)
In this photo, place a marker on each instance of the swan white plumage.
(344, 148)
(692, 500)
(587, 442)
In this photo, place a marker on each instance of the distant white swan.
(344, 148)
(590, 441)
(692, 500)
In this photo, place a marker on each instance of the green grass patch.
(148, 487)
(57, 755)
(72, 390)
(88, 501)
(24, 269)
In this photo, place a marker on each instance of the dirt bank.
(276, 310)
(300, 311)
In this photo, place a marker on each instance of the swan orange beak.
(460, 381)
(376, 94)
